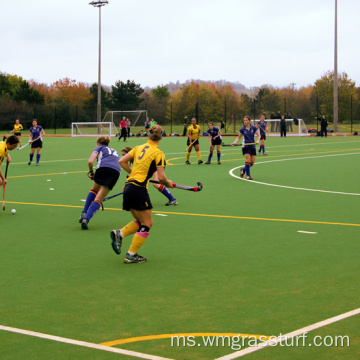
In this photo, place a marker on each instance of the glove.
(91, 174)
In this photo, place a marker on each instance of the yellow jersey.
(18, 128)
(194, 131)
(147, 158)
(3, 151)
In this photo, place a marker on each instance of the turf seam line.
(81, 343)
(292, 334)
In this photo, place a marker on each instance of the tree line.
(67, 100)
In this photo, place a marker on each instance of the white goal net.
(135, 117)
(93, 129)
(294, 127)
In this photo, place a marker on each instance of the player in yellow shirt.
(147, 159)
(193, 141)
(17, 130)
(10, 143)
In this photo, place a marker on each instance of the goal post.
(135, 116)
(89, 129)
(294, 127)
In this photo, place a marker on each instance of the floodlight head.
(99, 3)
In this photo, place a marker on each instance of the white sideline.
(292, 334)
(82, 343)
(231, 172)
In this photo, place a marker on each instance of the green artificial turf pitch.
(228, 259)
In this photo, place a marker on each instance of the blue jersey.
(107, 157)
(36, 132)
(248, 134)
(214, 132)
(262, 127)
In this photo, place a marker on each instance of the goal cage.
(93, 129)
(135, 117)
(294, 127)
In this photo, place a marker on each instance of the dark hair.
(11, 140)
(211, 123)
(103, 140)
(247, 117)
(126, 149)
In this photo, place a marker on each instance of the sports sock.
(131, 228)
(31, 157)
(247, 168)
(89, 199)
(263, 148)
(198, 155)
(93, 209)
(187, 156)
(218, 156)
(163, 189)
(38, 157)
(138, 239)
(210, 156)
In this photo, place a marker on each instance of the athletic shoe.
(84, 224)
(37, 164)
(219, 162)
(82, 217)
(116, 237)
(249, 177)
(208, 162)
(242, 172)
(259, 152)
(171, 202)
(187, 162)
(29, 163)
(200, 162)
(130, 259)
(265, 153)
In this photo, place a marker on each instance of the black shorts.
(136, 198)
(216, 141)
(36, 144)
(263, 137)
(106, 177)
(195, 143)
(249, 150)
(17, 134)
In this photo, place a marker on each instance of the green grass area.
(228, 259)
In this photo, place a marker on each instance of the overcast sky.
(253, 42)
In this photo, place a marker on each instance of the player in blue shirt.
(215, 139)
(262, 126)
(36, 133)
(106, 175)
(248, 131)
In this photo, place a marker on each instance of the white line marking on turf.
(82, 343)
(51, 189)
(231, 172)
(160, 214)
(307, 232)
(50, 161)
(82, 200)
(48, 180)
(298, 332)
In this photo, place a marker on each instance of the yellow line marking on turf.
(202, 215)
(168, 336)
(62, 173)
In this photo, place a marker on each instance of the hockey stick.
(190, 145)
(239, 144)
(28, 143)
(108, 198)
(183, 187)
(3, 202)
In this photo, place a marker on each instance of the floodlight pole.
(99, 4)
(336, 85)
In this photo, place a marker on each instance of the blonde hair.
(155, 132)
(103, 140)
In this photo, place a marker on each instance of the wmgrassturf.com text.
(239, 342)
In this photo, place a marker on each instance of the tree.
(126, 96)
(324, 89)
(160, 92)
(26, 93)
(70, 91)
(93, 98)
